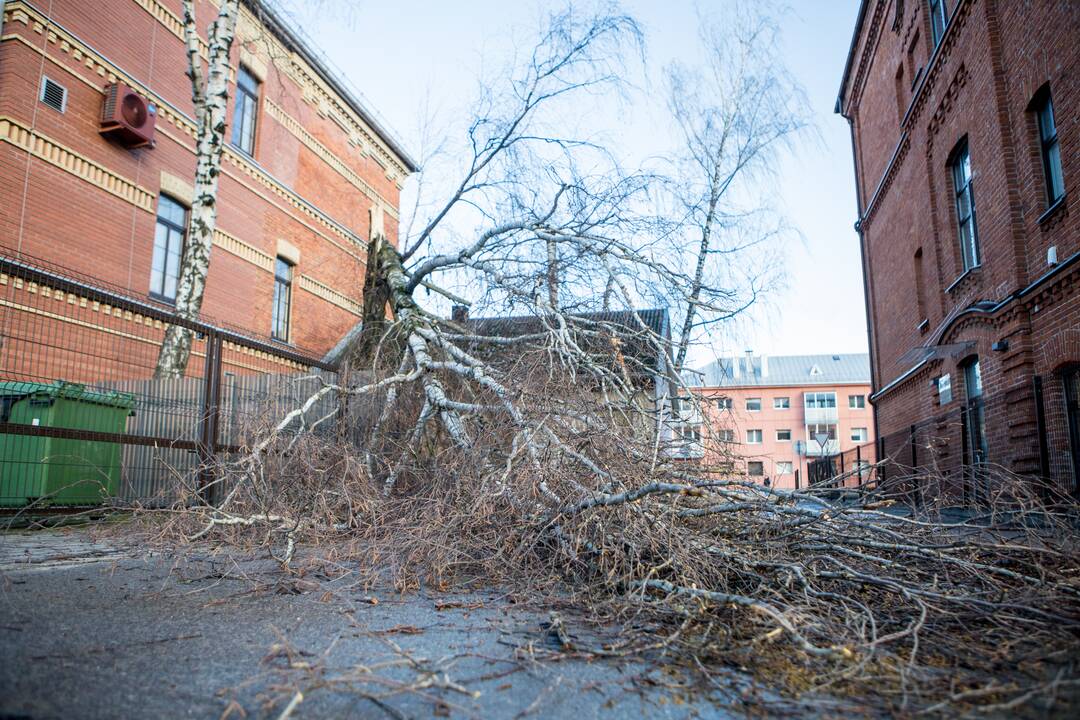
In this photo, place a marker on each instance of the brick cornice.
(22, 12)
(290, 64)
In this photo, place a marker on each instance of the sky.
(411, 59)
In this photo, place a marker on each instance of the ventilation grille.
(54, 94)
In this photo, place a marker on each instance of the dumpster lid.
(67, 391)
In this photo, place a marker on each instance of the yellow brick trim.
(327, 293)
(176, 187)
(308, 140)
(292, 65)
(127, 316)
(236, 246)
(57, 155)
(110, 73)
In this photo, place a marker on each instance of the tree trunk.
(211, 103)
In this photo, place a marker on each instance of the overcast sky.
(410, 56)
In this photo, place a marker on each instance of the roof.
(293, 40)
(784, 370)
(863, 4)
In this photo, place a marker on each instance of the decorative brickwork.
(1015, 311)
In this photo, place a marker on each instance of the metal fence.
(82, 417)
(958, 456)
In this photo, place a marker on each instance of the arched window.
(963, 193)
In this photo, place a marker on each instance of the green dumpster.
(59, 471)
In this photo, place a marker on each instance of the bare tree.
(734, 112)
(209, 95)
(519, 443)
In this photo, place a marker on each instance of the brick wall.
(977, 84)
(88, 203)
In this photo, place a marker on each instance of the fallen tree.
(538, 446)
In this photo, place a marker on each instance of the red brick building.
(965, 123)
(305, 166)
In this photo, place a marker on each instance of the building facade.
(768, 417)
(305, 168)
(965, 125)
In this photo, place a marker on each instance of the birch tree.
(734, 112)
(210, 96)
(513, 446)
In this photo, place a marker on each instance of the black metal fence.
(959, 456)
(82, 418)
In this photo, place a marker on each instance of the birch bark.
(210, 97)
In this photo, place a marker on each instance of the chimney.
(459, 314)
(750, 363)
(764, 366)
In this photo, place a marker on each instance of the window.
(781, 403)
(723, 403)
(939, 19)
(168, 248)
(755, 468)
(973, 379)
(783, 436)
(820, 400)
(859, 434)
(283, 272)
(726, 435)
(973, 386)
(856, 401)
(1048, 147)
(753, 437)
(814, 429)
(247, 107)
(753, 404)
(965, 205)
(691, 433)
(944, 389)
(784, 467)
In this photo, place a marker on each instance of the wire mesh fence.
(83, 418)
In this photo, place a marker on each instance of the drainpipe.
(870, 337)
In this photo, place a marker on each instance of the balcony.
(821, 416)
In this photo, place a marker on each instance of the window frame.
(781, 403)
(724, 403)
(1049, 146)
(281, 304)
(864, 435)
(783, 430)
(819, 395)
(782, 464)
(157, 289)
(963, 189)
(754, 400)
(759, 463)
(760, 437)
(726, 435)
(856, 402)
(939, 20)
(247, 100)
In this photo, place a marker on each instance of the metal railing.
(82, 418)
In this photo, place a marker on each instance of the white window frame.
(760, 437)
(781, 403)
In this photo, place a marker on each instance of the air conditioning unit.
(127, 117)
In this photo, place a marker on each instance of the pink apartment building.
(768, 417)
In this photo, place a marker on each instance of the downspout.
(870, 337)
